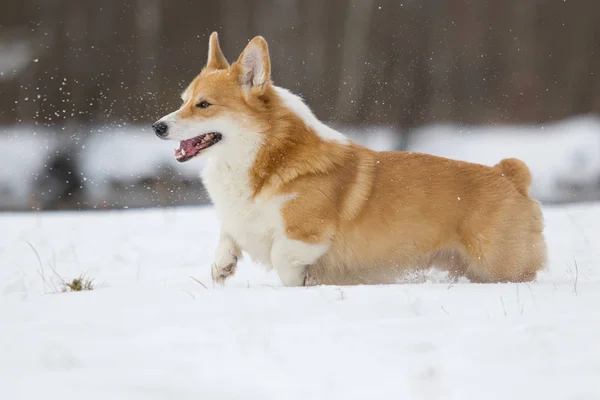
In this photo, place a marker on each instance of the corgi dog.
(301, 198)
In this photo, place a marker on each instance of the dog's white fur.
(296, 105)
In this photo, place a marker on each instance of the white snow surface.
(149, 331)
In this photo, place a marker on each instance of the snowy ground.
(148, 331)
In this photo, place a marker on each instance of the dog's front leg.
(226, 258)
(291, 258)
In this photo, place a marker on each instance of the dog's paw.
(224, 266)
(310, 279)
(220, 274)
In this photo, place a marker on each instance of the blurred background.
(82, 80)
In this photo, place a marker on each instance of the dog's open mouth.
(190, 148)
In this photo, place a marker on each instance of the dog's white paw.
(310, 279)
(219, 275)
(223, 268)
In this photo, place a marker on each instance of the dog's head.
(224, 106)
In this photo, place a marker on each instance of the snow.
(130, 153)
(149, 331)
(126, 155)
(379, 138)
(26, 152)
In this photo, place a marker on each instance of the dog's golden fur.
(385, 212)
(380, 213)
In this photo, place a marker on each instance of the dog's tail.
(518, 173)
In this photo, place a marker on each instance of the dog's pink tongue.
(188, 146)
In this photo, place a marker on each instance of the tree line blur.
(396, 62)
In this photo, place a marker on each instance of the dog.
(303, 199)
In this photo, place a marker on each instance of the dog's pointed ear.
(255, 66)
(216, 59)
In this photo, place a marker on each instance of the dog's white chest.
(252, 223)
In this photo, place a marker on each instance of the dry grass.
(198, 281)
(78, 285)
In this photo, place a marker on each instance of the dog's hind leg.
(511, 258)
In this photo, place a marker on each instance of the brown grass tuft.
(78, 284)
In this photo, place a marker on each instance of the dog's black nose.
(160, 128)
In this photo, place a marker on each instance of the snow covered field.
(149, 331)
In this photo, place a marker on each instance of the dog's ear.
(216, 59)
(255, 66)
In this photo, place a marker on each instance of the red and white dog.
(301, 198)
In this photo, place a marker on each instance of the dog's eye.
(203, 104)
